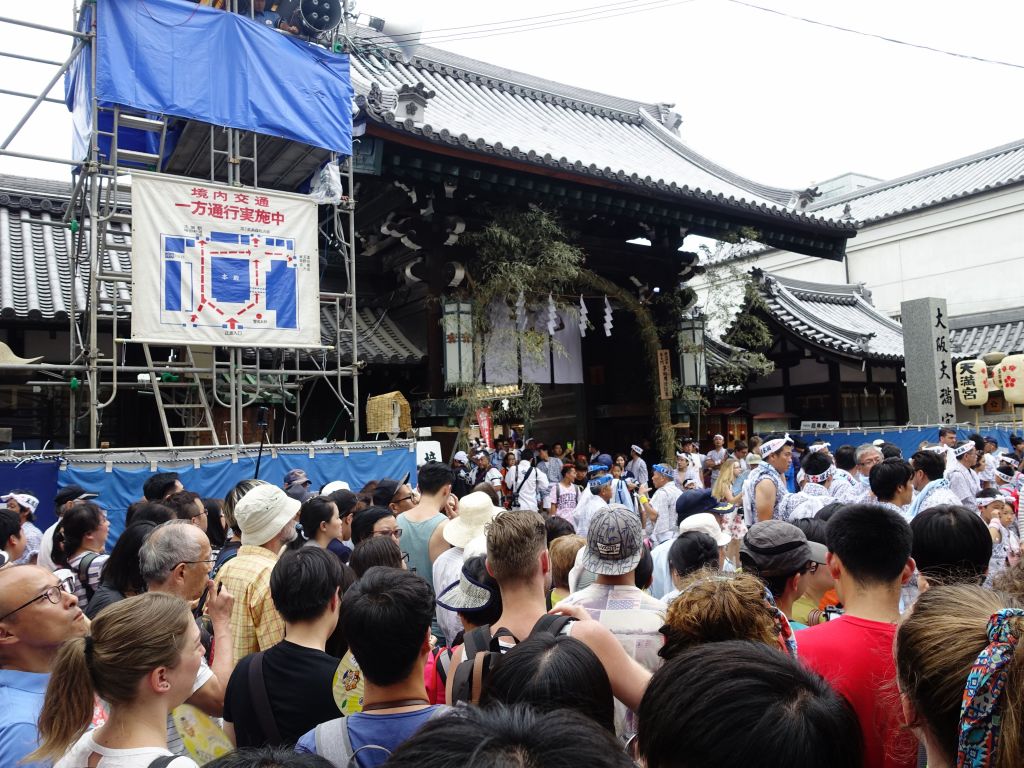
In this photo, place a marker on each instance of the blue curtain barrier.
(179, 58)
(38, 478)
(907, 438)
(122, 486)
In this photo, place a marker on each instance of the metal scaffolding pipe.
(44, 28)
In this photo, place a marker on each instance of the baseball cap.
(694, 502)
(385, 492)
(778, 548)
(334, 485)
(295, 477)
(705, 522)
(614, 541)
(72, 493)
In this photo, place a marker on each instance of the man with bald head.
(176, 559)
(38, 614)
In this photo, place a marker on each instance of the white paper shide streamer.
(552, 316)
(607, 317)
(521, 312)
(583, 317)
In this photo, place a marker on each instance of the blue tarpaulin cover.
(122, 485)
(178, 58)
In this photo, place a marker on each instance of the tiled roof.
(721, 355)
(837, 318)
(36, 273)
(841, 318)
(978, 334)
(488, 109)
(982, 172)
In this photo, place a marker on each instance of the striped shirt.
(255, 623)
(93, 576)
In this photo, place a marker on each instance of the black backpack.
(83, 573)
(482, 652)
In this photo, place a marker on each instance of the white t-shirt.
(45, 557)
(78, 756)
(175, 744)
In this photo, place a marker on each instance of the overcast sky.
(782, 101)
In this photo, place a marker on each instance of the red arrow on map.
(231, 322)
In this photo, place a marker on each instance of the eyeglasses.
(812, 567)
(396, 532)
(405, 558)
(410, 497)
(211, 561)
(54, 594)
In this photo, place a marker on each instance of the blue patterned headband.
(980, 716)
(597, 482)
(664, 469)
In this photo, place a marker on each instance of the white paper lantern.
(1011, 369)
(972, 382)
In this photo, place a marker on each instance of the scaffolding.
(187, 382)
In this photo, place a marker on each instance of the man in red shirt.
(869, 558)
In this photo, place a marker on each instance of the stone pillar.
(930, 383)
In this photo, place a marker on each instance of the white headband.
(819, 447)
(1004, 476)
(774, 445)
(939, 449)
(1007, 459)
(984, 501)
(961, 450)
(637, 450)
(819, 479)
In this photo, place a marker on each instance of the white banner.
(213, 264)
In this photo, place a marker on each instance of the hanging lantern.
(1011, 369)
(972, 382)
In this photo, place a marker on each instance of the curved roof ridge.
(950, 165)
(843, 289)
(486, 70)
(777, 195)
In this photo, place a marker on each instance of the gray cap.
(614, 541)
(777, 548)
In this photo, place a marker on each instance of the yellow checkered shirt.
(255, 623)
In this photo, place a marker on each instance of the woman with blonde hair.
(141, 659)
(562, 552)
(713, 606)
(733, 522)
(961, 681)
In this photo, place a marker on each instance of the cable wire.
(526, 19)
(885, 38)
(581, 19)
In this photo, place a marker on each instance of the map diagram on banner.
(229, 281)
(222, 265)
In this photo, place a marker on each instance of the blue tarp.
(178, 58)
(37, 477)
(907, 438)
(121, 486)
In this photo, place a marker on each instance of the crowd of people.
(767, 603)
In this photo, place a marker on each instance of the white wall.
(970, 252)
